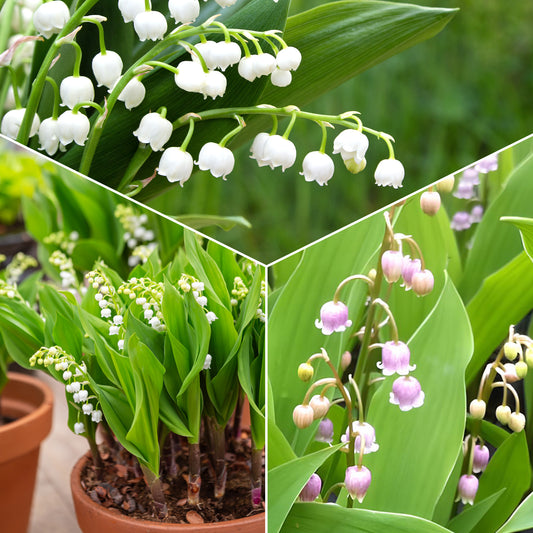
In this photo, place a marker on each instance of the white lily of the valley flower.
(133, 94)
(76, 89)
(281, 78)
(154, 130)
(217, 159)
(246, 68)
(214, 84)
(318, 167)
(48, 136)
(288, 58)
(50, 18)
(184, 11)
(190, 77)
(12, 121)
(79, 428)
(389, 172)
(225, 3)
(207, 362)
(351, 144)
(264, 64)
(219, 55)
(175, 165)
(278, 152)
(150, 25)
(258, 147)
(73, 127)
(130, 8)
(107, 68)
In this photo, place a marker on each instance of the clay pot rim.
(137, 524)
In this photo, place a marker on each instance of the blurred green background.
(448, 102)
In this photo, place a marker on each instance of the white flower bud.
(83, 395)
(150, 25)
(50, 18)
(96, 416)
(79, 427)
(133, 94)
(117, 320)
(107, 68)
(121, 344)
(105, 313)
(198, 286)
(217, 159)
(148, 314)
(246, 68)
(258, 147)
(202, 300)
(281, 78)
(190, 77)
(289, 58)
(320, 405)
(114, 330)
(76, 89)
(73, 387)
(517, 422)
(389, 172)
(478, 409)
(207, 362)
(222, 54)
(303, 416)
(48, 137)
(154, 130)
(13, 120)
(184, 11)
(87, 408)
(76, 397)
(130, 8)
(318, 167)
(67, 375)
(430, 202)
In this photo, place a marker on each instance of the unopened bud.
(510, 373)
(503, 414)
(391, 263)
(355, 167)
(303, 416)
(422, 282)
(346, 360)
(372, 274)
(446, 184)
(312, 488)
(305, 371)
(517, 422)
(512, 350)
(430, 202)
(521, 369)
(320, 405)
(478, 409)
(529, 356)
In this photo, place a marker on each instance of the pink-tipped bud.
(407, 393)
(446, 184)
(391, 263)
(510, 372)
(320, 405)
(430, 202)
(478, 409)
(303, 416)
(395, 357)
(312, 489)
(467, 488)
(357, 480)
(305, 371)
(517, 422)
(333, 317)
(346, 360)
(481, 458)
(325, 431)
(422, 282)
(521, 369)
(503, 414)
(409, 268)
(512, 350)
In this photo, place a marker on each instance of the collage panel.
(147, 344)
(398, 357)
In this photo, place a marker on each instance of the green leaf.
(525, 225)
(472, 514)
(521, 519)
(313, 517)
(205, 221)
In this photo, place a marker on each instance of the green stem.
(233, 132)
(5, 31)
(324, 137)
(77, 61)
(137, 161)
(101, 35)
(13, 73)
(188, 137)
(344, 282)
(55, 88)
(290, 126)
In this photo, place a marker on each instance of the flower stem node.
(154, 130)
(217, 159)
(318, 167)
(481, 458)
(512, 350)
(50, 18)
(303, 416)
(150, 25)
(395, 358)
(333, 317)
(389, 172)
(503, 414)
(176, 165)
(184, 11)
(352, 145)
(325, 431)
(467, 488)
(73, 127)
(517, 422)
(305, 371)
(422, 282)
(392, 264)
(361, 430)
(407, 393)
(75, 90)
(312, 489)
(12, 121)
(357, 480)
(477, 409)
(107, 68)
(446, 184)
(430, 202)
(320, 405)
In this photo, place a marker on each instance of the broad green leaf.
(470, 516)
(289, 479)
(521, 519)
(205, 221)
(504, 298)
(313, 517)
(525, 225)
(88, 251)
(445, 505)
(509, 469)
(418, 449)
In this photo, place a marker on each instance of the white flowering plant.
(115, 83)
(441, 447)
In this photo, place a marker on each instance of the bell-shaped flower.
(246, 68)
(333, 317)
(325, 430)
(214, 84)
(281, 78)
(503, 414)
(392, 264)
(73, 127)
(311, 490)
(357, 480)
(76, 89)
(303, 416)
(409, 268)
(184, 11)
(264, 64)
(12, 121)
(150, 25)
(517, 422)
(430, 202)
(320, 405)
(476, 214)
(190, 77)
(50, 18)
(395, 358)
(258, 147)
(465, 190)
(154, 130)
(318, 167)
(218, 54)
(107, 68)
(217, 159)
(79, 428)
(278, 152)
(175, 165)
(351, 144)
(467, 488)
(422, 282)
(288, 58)
(407, 393)
(389, 172)
(487, 164)
(133, 93)
(48, 135)
(481, 458)
(96, 416)
(365, 432)
(461, 221)
(131, 8)
(477, 409)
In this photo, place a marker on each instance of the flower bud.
(305, 371)
(512, 350)
(430, 202)
(529, 356)
(467, 488)
(392, 263)
(446, 184)
(481, 458)
(478, 409)
(333, 317)
(517, 422)
(355, 167)
(346, 360)
(175, 165)
(303, 416)
(312, 489)
(318, 167)
(320, 405)
(288, 58)
(281, 78)
(50, 18)
(365, 436)
(503, 414)
(422, 282)
(409, 268)
(510, 372)
(389, 172)
(107, 68)
(357, 480)
(325, 431)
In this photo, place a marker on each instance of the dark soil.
(120, 485)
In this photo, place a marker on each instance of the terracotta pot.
(29, 401)
(94, 518)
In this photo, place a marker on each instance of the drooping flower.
(255, 66)
(288, 58)
(461, 221)
(367, 432)
(154, 130)
(218, 54)
(79, 428)
(392, 264)
(357, 480)
(333, 317)
(303, 416)
(422, 282)
(214, 84)
(467, 488)
(409, 268)
(217, 159)
(75, 90)
(190, 77)
(107, 68)
(325, 431)
(503, 414)
(481, 458)
(471, 175)
(150, 25)
(517, 422)
(312, 489)
(176, 165)
(257, 148)
(351, 144)
(318, 167)
(487, 164)
(96, 416)
(281, 78)
(320, 405)
(184, 11)
(50, 18)
(389, 172)
(12, 121)
(477, 409)
(73, 127)
(407, 393)
(395, 358)
(131, 8)
(133, 93)
(278, 152)
(48, 137)
(430, 202)
(476, 214)
(465, 190)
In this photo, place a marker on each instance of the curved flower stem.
(359, 400)
(188, 137)
(414, 246)
(290, 126)
(101, 35)
(322, 148)
(388, 141)
(331, 489)
(512, 389)
(319, 383)
(386, 308)
(233, 132)
(55, 88)
(344, 282)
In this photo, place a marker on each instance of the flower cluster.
(187, 283)
(138, 237)
(17, 266)
(66, 268)
(64, 242)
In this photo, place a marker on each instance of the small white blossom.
(67, 375)
(73, 127)
(184, 11)
(98, 297)
(351, 144)
(288, 58)
(107, 68)
(96, 416)
(118, 319)
(140, 301)
(176, 165)
(202, 300)
(246, 68)
(103, 303)
(12, 121)
(131, 8)
(218, 54)
(121, 344)
(79, 428)
(148, 314)
(264, 64)
(50, 18)
(281, 78)
(75, 90)
(87, 408)
(389, 172)
(198, 286)
(207, 362)
(211, 317)
(73, 387)
(190, 76)
(105, 313)
(215, 84)
(48, 135)
(154, 130)
(278, 152)
(318, 167)
(217, 159)
(150, 25)
(83, 395)
(154, 322)
(133, 94)
(114, 330)
(76, 397)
